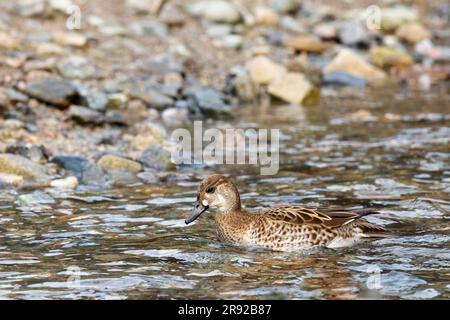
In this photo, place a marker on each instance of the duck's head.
(216, 191)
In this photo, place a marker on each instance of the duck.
(281, 228)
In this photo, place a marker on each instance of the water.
(131, 243)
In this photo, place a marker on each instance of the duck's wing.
(310, 215)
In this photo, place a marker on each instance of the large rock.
(53, 91)
(115, 163)
(209, 101)
(263, 70)
(349, 62)
(293, 87)
(217, 11)
(20, 166)
(413, 32)
(86, 172)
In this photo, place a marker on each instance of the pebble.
(343, 79)
(76, 67)
(293, 87)
(306, 44)
(384, 57)
(70, 39)
(21, 166)
(216, 11)
(354, 33)
(35, 198)
(66, 183)
(349, 62)
(10, 179)
(53, 91)
(86, 172)
(156, 158)
(85, 116)
(284, 6)
(263, 70)
(265, 16)
(111, 162)
(412, 32)
(174, 116)
(209, 101)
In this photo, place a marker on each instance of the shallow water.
(131, 242)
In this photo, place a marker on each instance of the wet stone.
(209, 101)
(343, 79)
(36, 198)
(66, 183)
(18, 165)
(157, 158)
(53, 91)
(85, 171)
(115, 163)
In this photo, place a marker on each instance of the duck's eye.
(210, 190)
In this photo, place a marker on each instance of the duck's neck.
(232, 225)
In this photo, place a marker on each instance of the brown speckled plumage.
(286, 228)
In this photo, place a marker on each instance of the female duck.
(287, 228)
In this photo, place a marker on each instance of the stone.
(232, 41)
(349, 62)
(85, 171)
(35, 198)
(240, 84)
(209, 101)
(326, 31)
(263, 70)
(66, 183)
(160, 64)
(362, 116)
(384, 57)
(70, 39)
(30, 8)
(306, 44)
(149, 176)
(48, 48)
(219, 30)
(394, 17)
(15, 95)
(152, 97)
(145, 6)
(291, 24)
(8, 42)
(174, 116)
(284, 6)
(343, 79)
(10, 179)
(53, 91)
(63, 6)
(265, 16)
(85, 116)
(354, 33)
(115, 163)
(157, 158)
(36, 153)
(18, 165)
(412, 32)
(92, 98)
(216, 11)
(76, 67)
(293, 87)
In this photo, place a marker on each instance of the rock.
(115, 163)
(362, 116)
(152, 134)
(115, 118)
(145, 6)
(10, 179)
(291, 24)
(36, 153)
(343, 79)
(150, 26)
(353, 33)
(66, 183)
(293, 87)
(394, 17)
(326, 31)
(284, 6)
(85, 116)
(306, 44)
(70, 39)
(240, 84)
(47, 49)
(384, 57)
(149, 176)
(263, 70)
(349, 62)
(157, 158)
(172, 16)
(219, 30)
(34, 198)
(13, 124)
(412, 32)
(174, 116)
(63, 6)
(209, 101)
(92, 98)
(30, 8)
(232, 41)
(265, 16)
(8, 42)
(15, 95)
(216, 11)
(85, 171)
(53, 91)
(160, 64)
(18, 165)
(47, 65)
(76, 67)
(152, 97)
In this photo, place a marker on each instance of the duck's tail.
(370, 230)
